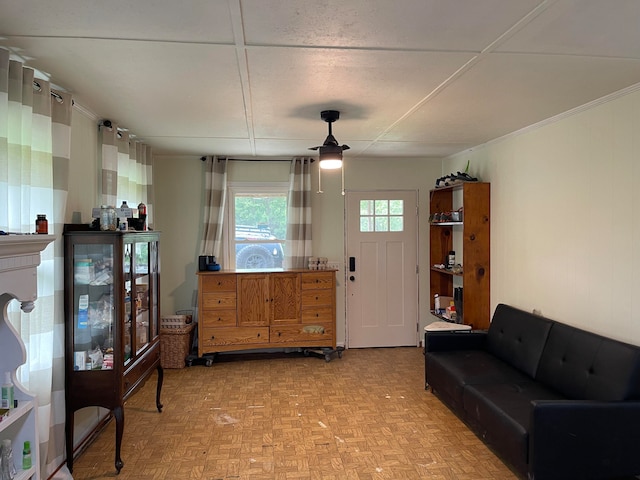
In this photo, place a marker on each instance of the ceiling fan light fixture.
(330, 163)
(330, 152)
(330, 157)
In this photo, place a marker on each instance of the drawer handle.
(258, 335)
(219, 301)
(213, 337)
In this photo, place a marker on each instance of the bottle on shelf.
(8, 467)
(122, 222)
(42, 224)
(451, 259)
(7, 391)
(26, 455)
(142, 214)
(451, 312)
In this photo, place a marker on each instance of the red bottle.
(142, 214)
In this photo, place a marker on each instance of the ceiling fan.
(330, 151)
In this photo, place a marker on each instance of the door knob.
(352, 278)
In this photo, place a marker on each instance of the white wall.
(83, 169)
(565, 222)
(179, 182)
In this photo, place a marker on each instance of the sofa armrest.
(463, 340)
(583, 439)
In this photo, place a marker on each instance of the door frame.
(418, 338)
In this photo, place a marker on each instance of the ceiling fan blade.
(315, 148)
(345, 147)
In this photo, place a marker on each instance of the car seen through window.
(257, 248)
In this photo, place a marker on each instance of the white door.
(382, 265)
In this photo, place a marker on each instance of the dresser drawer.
(211, 337)
(317, 314)
(222, 282)
(322, 280)
(302, 334)
(312, 298)
(213, 300)
(218, 318)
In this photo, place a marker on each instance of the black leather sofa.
(555, 402)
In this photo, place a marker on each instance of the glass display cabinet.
(112, 282)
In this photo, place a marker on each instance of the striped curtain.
(216, 197)
(126, 171)
(35, 144)
(298, 244)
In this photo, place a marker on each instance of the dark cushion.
(583, 365)
(449, 372)
(502, 414)
(518, 337)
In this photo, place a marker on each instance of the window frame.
(235, 189)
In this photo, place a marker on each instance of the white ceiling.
(249, 78)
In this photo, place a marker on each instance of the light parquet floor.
(365, 416)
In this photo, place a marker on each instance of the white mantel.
(19, 259)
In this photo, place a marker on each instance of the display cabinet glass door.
(94, 306)
(141, 295)
(140, 281)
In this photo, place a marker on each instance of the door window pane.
(381, 215)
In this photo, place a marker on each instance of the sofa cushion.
(449, 372)
(518, 337)
(501, 413)
(583, 365)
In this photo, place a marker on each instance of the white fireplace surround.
(19, 259)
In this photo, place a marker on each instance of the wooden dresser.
(253, 310)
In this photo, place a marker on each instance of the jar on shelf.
(42, 224)
(107, 218)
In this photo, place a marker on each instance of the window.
(256, 226)
(381, 215)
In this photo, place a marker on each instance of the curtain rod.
(253, 159)
(56, 95)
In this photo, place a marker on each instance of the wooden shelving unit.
(470, 238)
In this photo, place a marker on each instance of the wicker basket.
(174, 321)
(175, 344)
